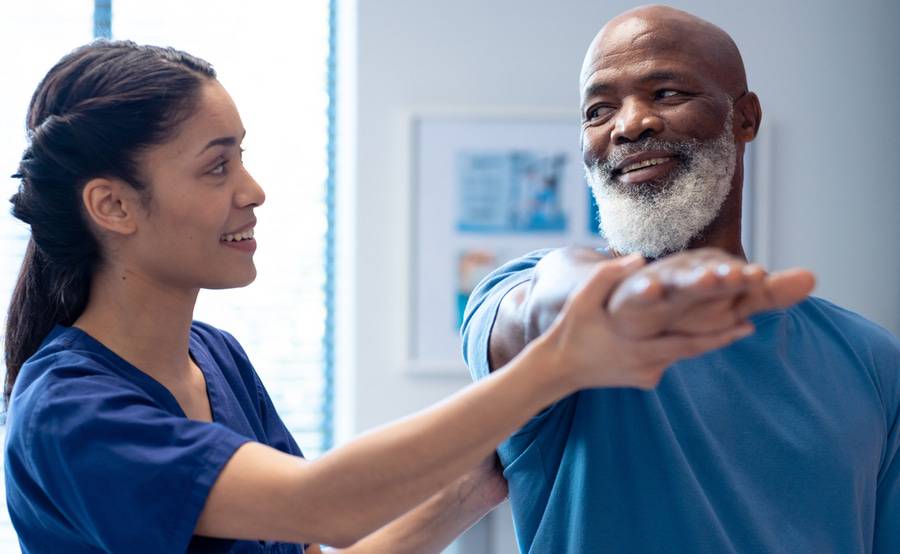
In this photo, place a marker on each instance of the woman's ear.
(747, 117)
(111, 205)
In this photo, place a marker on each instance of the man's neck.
(729, 243)
(725, 230)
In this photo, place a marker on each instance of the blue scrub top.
(101, 458)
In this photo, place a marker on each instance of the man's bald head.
(656, 30)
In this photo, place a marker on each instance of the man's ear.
(111, 205)
(747, 117)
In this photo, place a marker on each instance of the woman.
(133, 428)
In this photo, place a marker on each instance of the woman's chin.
(234, 282)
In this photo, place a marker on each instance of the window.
(274, 59)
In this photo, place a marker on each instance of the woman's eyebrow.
(221, 141)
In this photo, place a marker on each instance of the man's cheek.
(593, 147)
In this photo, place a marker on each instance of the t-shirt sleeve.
(886, 358)
(124, 472)
(481, 309)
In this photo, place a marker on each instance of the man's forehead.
(631, 40)
(642, 37)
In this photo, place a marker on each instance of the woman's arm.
(431, 527)
(358, 488)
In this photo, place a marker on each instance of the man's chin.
(644, 190)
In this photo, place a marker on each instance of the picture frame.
(485, 187)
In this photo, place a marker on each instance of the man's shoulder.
(525, 261)
(847, 323)
(515, 268)
(830, 332)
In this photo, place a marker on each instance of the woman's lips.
(246, 245)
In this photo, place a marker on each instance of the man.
(786, 441)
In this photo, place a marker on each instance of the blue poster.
(512, 191)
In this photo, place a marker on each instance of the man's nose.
(634, 122)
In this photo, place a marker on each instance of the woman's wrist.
(543, 364)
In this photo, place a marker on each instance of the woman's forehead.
(214, 117)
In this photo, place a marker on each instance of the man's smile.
(645, 166)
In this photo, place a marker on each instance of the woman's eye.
(219, 169)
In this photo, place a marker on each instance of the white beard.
(656, 219)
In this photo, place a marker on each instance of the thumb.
(786, 288)
(595, 292)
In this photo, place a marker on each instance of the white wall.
(827, 73)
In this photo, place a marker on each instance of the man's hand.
(701, 291)
(587, 349)
(693, 293)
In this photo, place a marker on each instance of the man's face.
(656, 137)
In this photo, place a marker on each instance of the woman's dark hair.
(90, 117)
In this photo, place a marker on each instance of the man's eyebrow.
(662, 75)
(594, 89)
(655, 76)
(221, 141)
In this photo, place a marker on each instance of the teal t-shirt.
(786, 441)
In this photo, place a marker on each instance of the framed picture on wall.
(485, 188)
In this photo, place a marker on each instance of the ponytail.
(41, 299)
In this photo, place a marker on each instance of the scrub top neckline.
(197, 353)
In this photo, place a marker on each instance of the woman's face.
(197, 230)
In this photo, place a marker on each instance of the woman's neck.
(143, 321)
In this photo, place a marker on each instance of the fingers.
(780, 290)
(691, 280)
(786, 288)
(713, 277)
(695, 296)
(636, 291)
(684, 283)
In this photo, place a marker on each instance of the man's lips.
(642, 158)
(645, 166)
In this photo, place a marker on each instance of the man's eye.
(667, 93)
(598, 112)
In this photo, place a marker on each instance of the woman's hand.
(588, 348)
(484, 484)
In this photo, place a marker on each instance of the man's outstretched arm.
(531, 306)
(695, 292)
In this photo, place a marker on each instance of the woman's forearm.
(432, 526)
(437, 445)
